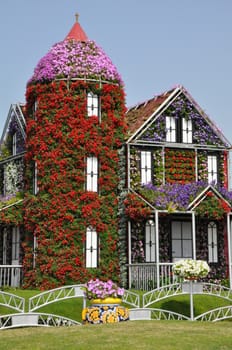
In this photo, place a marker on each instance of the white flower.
(189, 268)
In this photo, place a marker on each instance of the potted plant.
(100, 292)
(191, 269)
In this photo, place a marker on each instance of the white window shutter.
(150, 242)
(212, 169)
(146, 167)
(187, 131)
(170, 129)
(92, 174)
(212, 243)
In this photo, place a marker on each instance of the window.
(145, 167)
(92, 105)
(150, 246)
(212, 243)
(179, 130)
(187, 132)
(4, 246)
(15, 245)
(14, 144)
(91, 248)
(92, 174)
(35, 179)
(35, 106)
(181, 240)
(170, 129)
(212, 169)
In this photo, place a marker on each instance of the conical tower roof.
(75, 57)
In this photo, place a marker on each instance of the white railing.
(10, 275)
(148, 276)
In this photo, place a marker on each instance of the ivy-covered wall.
(59, 138)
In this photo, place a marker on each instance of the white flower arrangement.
(190, 269)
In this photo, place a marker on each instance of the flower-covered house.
(90, 190)
(178, 203)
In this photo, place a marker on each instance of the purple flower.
(75, 59)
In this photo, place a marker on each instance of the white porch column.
(194, 235)
(157, 247)
(129, 252)
(229, 247)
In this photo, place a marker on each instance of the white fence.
(10, 275)
(148, 276)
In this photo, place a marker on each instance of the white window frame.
(170, 129)
(4, 246)
(150, 241)
(15, 248)
(187, 131)
(92, 105)
(92, 174)
(212, 242)
(35, 179)
(212, 169)
(35, 109)
(14, 144)
(146, 167)
(91, 248)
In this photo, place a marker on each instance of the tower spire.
(77, 33)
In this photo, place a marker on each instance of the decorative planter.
(106, 301)
(105, 313)
(197, 288)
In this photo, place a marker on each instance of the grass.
(141, 335)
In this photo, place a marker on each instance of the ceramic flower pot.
(106, 301)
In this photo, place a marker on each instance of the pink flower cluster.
(75, 59)
(96, 289)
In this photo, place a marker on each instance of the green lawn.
(141, 335)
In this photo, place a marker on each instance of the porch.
(165, 238)
(149, 276)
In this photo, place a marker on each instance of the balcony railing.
(147, 276)
(10, 275)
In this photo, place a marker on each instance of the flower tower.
(75, 128)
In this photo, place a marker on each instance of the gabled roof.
(76, 32)
(141, 115)
(16, 111)
(197, 201)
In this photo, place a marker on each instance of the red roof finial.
(77, 33)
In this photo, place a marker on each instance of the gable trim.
(156, 113)
(13, 112)
(200, 198)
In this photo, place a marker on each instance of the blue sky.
(154, 44)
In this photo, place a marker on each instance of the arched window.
(92, 105)
(91, 247)
(150, 242)
(212, 242)
(92, 174)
